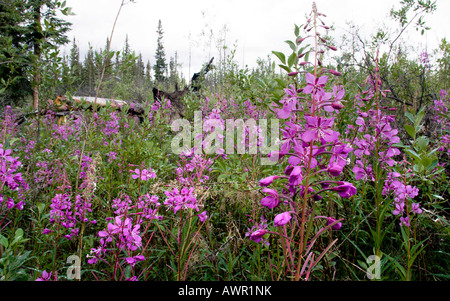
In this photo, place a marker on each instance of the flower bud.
(336, 226)
(267, 181)
(301, 40)
(337, 105)
(332, 48)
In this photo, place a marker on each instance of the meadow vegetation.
(357, 189)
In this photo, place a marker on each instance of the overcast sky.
(256, 26)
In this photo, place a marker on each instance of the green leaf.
(410, 117)
(41, 207)
(419, 117)
(221, 177)
(432, 165)
(422, 143)
(410, 130)
(292, 45)
(4, 241)
(280, 56)
(286, 68)
(19, 233)
(291, 60)
(296, 30)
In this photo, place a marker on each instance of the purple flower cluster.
(123, 237)
(257, 232)
(192, 168)
(68, 214)
(402, 194)
(13, 186)
(122, 234)
(377, 139)
(143, 175)
(9, 124)
(441, 107)
(183, 199)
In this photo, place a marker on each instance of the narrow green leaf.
(280, 56)
(410, 117)
(419, 118)
(286, 68)
(291, 60)
(296, 30)
(292, 45)
(410, 130)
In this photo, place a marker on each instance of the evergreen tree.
(88, 75)
(148, 71)
(47, 33)
(14, 53)
(173, 70)
(160, 66)
(75, 64)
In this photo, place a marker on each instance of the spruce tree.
(48, 32)
(160, 66)
(14, 53)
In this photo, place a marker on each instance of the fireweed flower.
(319, 128)
(202, 216)
(282, 219)
(289, 103)
(257, 235)
(415, 208)
(290, 133)
(257, 232)
(144, 175)
(404, 221)
(295, 176)
(345, 189)
(363, 171)
(132, 260)
(304, 155)
(314, 85)
(45, 276)
(271, 201)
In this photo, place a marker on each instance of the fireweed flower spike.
(314, 153)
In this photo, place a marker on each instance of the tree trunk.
(37, 54)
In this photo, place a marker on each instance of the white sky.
(256, 26)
